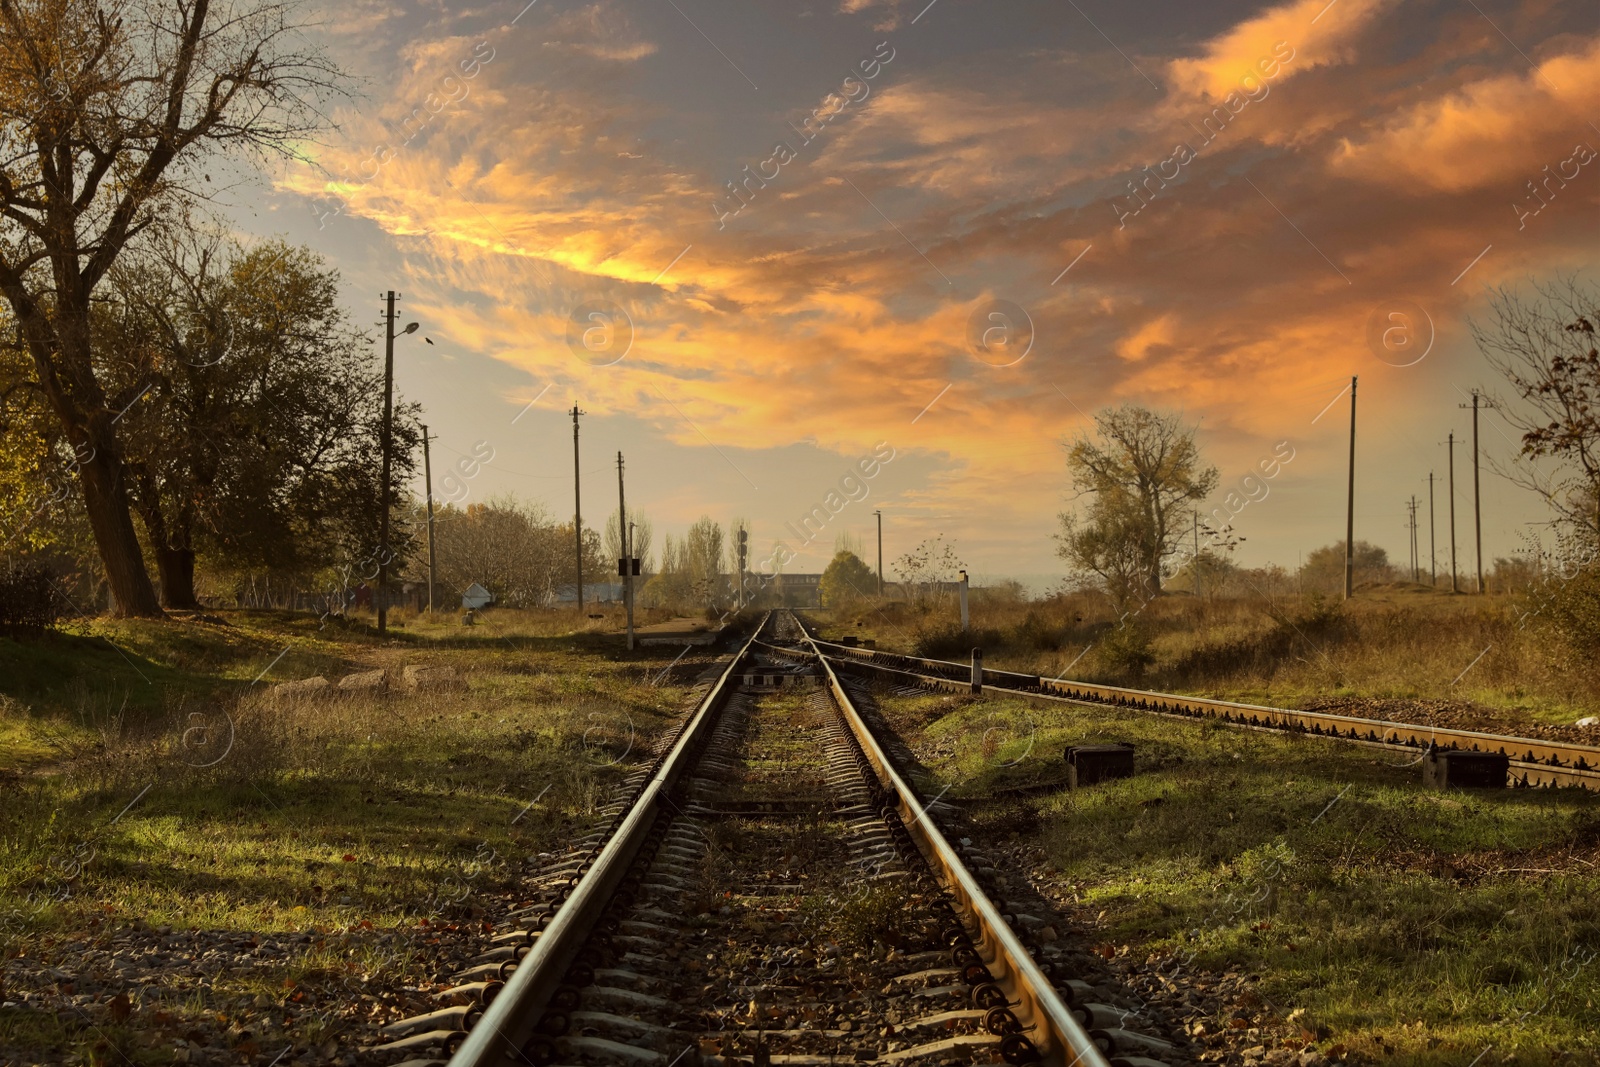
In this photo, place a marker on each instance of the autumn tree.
(257, 436)
(1109, 541)
(1323, 569)
(702, 555)
(846, 580)
(510, 548)
(643, 537)
(1545, 347)
(108, 110)
(925, 569)
(1138, 469)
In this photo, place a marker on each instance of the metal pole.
(1477, 500)
(577, 506)
(1433, 550)
(388, 441)
(880, 552)
(1197, 553)
(1350, 506)
(427, 473)
(743, 535)
(1454, 586)
(1414, 545)
(627, 552)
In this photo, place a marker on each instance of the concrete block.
(364, 682)
(431, 678)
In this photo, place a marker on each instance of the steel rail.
(1051, 1026)
(1534, 762)
(511, 1019)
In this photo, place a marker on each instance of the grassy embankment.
(149, 776)
(1395, 642)
(1413, 927)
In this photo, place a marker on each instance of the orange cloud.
(1158, 332)
(1319, 34)
(1489, 131)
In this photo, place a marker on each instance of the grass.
(1393, 642)
(153, 781)
(1412, 927)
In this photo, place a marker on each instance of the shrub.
(29, 601)
(1571, 609)
(950, 641)
(1126, 649)
(1038, 633)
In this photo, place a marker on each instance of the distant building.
(593, 592)
(476, 597)
(798, 590)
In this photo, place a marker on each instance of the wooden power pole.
(625, 565)
(427, 474)
(1477, 486)
(1415, 559)
(1350, 503)
(879, 513)
(1454, 585)
(385, 494)
(577, 505)
(1433, 550)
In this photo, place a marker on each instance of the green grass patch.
(1412, 926)
(155, 781)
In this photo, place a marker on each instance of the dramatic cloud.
(829, 298)
(1493, 130)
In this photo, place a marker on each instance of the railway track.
(1533, 762)
(771, 891)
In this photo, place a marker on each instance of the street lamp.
(388, 443)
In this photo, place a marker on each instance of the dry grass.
(1395, 641)
(1408, 926)
(156, 783)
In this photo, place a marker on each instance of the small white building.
(476, 597)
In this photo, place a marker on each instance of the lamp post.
(386, 493)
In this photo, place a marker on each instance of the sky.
(765, 245)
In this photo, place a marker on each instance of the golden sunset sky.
(1309, 168)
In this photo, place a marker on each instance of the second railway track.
(1533, 761)
(771, 891)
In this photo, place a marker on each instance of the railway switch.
(1088, 764)
(1444, 768)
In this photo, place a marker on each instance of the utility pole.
(577, 506)
(880, 553)
(626, 563)
(1197, 553)
(385, 494)
(1350, 505)
(427, 473)
(1413, 509)
(1433, 551)
(1454, 587)
(388, 442)
(1477, 497)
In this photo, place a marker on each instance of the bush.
(1126, 649)
(1038, 633)
(1571, 609)
(29, 602)
(950, 641)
